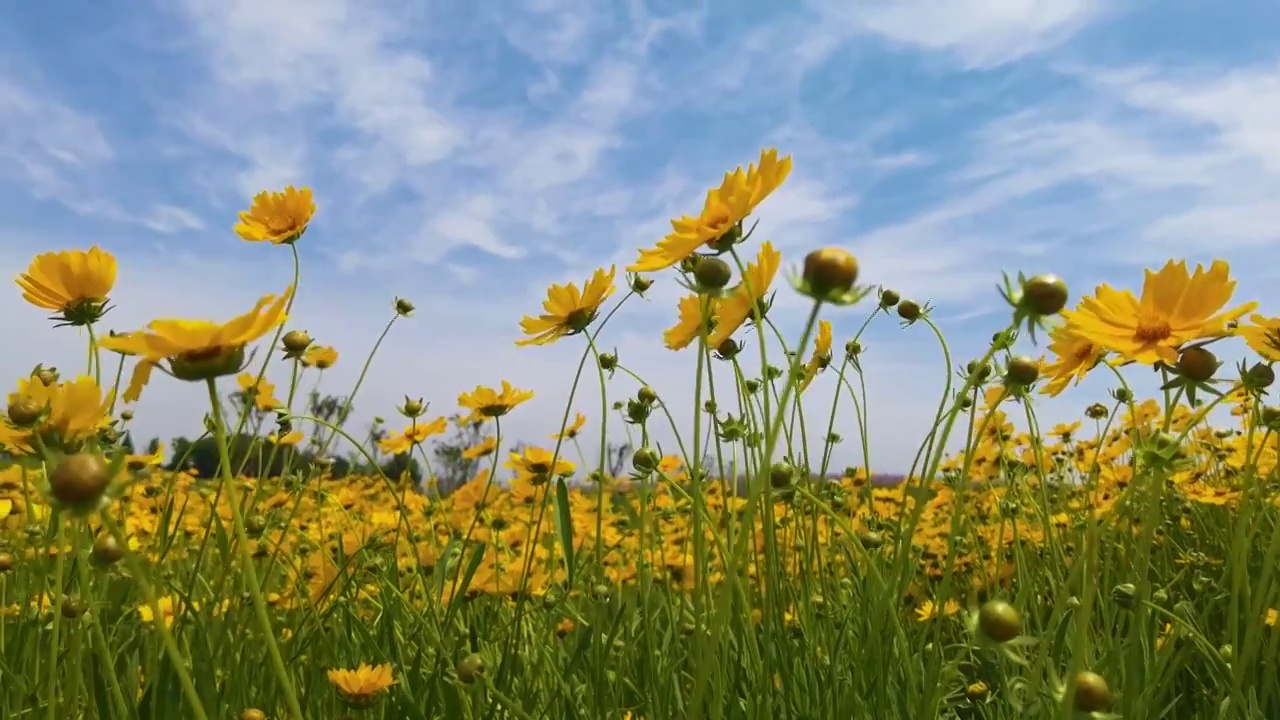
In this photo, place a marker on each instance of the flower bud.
(1044, 295)
(403, 307)
(1197, 364)
(80, 481)
(608, 361)
(126, 415)
(106, 551)
(727, 349)
(1022, 371)
(999, 621)
(645, 459)
(1261, 376)
(712, 274)
(852, 349)
(909, 310)
(889, 298)
(296, 341)
(47, 376)
(647, 395)
(1091, 692)
(640, 284)
(781, 475)
(830, 270)
(470, 668)
(1125, 595)
(251, 714)
(24, 412)
(412, 408)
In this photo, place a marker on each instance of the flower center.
(1085, 350)
(280, 224)
(1152, 330)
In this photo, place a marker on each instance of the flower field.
(1124, 565)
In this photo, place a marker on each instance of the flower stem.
(246, 556)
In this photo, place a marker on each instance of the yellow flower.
(72, 283)
(484, 402)
(482, 449)
(197, 349)
(693, 322)
(722, 213)
(261, 394)
(568, 311)
(747, 296)
(361, 685)
(928, 610)
(71, 414)
(1262, 336)
(1176, 307)
(293, 437)
(1074, 357)
(415, 434)
(320, 356)
(821, 355)
(169, 610)
(573, 429)
(278, 217)
(535, 464)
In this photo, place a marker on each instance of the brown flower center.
(1152, 330)
(281, 223)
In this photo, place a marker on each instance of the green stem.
(246, 555)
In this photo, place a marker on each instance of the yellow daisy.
(568, 310)
(277, 217)
(722, 213)
(72, 283)
(197, 349)
(741, 304)
(1176, 308)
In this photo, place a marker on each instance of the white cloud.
(981, 33)
(52, 149)
(169, 219)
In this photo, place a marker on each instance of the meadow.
(1125, 565)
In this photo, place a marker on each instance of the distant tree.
(451, 468)
(617, 457)
(126, 443)
(397, 465)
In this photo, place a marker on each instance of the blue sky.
(465, 158)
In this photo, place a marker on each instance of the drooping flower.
(537, 465)
(321, 357)
(197, 349)
(821, 356)
(1176, 308)
(1262, 334)
(484, 448)
(485, 402)
(568, 310)
(72, 283)
(749, 295)
(293, 437)
(360, 686)
(277, 217)
(722, 213)
(694, 320)
(1073, 358)
(413, 435)
(571, 431)
(258, 393)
